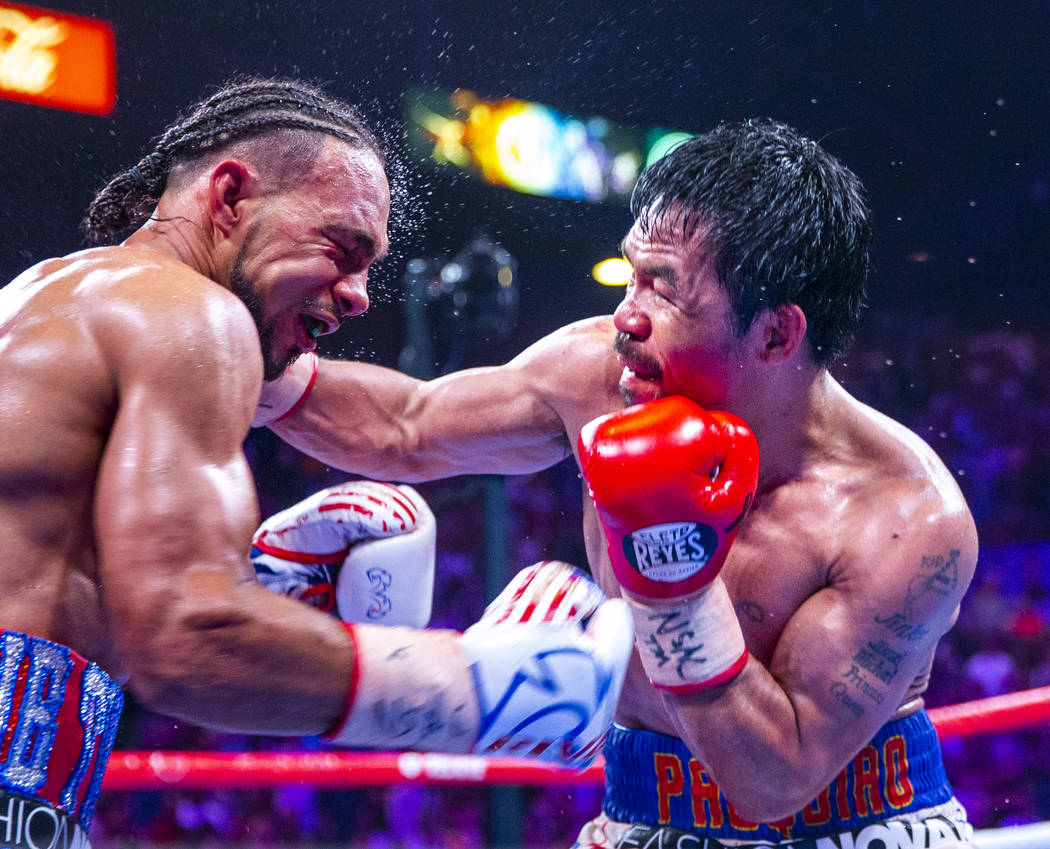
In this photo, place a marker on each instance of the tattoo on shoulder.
(938, 576)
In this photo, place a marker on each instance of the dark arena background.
(940, 107)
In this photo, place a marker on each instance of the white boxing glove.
(363, 549)
(283, 397)
(550, 591)
(541, 691)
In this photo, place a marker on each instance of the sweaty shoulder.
(154, 297)
(576, 369)
(153, 318)
(904, 505)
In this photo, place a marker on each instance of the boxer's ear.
(230, 183)
(781, 331)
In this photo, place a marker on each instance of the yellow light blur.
(612, 272)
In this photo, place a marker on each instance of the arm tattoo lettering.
(880, 660)
(855, 677)
(898, 624)
(838, 690)
(674, 642)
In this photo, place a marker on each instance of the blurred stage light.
(530, 147)
(612, 272)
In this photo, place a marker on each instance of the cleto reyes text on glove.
(671, 483)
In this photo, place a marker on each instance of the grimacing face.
(303, 263)
(676, 333)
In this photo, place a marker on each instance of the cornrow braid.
(240, 110)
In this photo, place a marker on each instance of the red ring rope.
(134, 770)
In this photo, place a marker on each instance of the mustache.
(625, 347)
(322, 308)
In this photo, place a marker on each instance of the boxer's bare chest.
(781, 556)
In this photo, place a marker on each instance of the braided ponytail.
(240, 110)
(127, 200)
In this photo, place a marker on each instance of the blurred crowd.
(978, 398)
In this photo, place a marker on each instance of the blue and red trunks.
(58, 720)
(652, 780)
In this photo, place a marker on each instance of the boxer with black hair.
(786, 613)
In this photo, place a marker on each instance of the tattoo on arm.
(674, 642)
(939, 576)
(879, 659)
(876, 660)
(879, 662)
(841, 694)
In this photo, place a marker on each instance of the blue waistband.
(652, 779)
(58, 721)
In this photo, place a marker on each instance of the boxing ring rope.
(158, 770)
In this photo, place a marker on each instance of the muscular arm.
(175, 508)
(507, 419)
(774, 737)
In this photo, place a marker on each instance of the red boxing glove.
(671, 483)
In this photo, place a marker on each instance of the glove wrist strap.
(408, 689)
(689, 644)
(283, 397)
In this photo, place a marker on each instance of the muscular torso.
(60, 324)
(787, 548)
(59, 400)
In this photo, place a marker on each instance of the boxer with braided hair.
(238, 112)
(130, 373)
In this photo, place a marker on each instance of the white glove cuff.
(691, 644)
(408, 690)
(283, 397)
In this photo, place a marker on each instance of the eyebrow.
(665, 272)
(357, 238)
